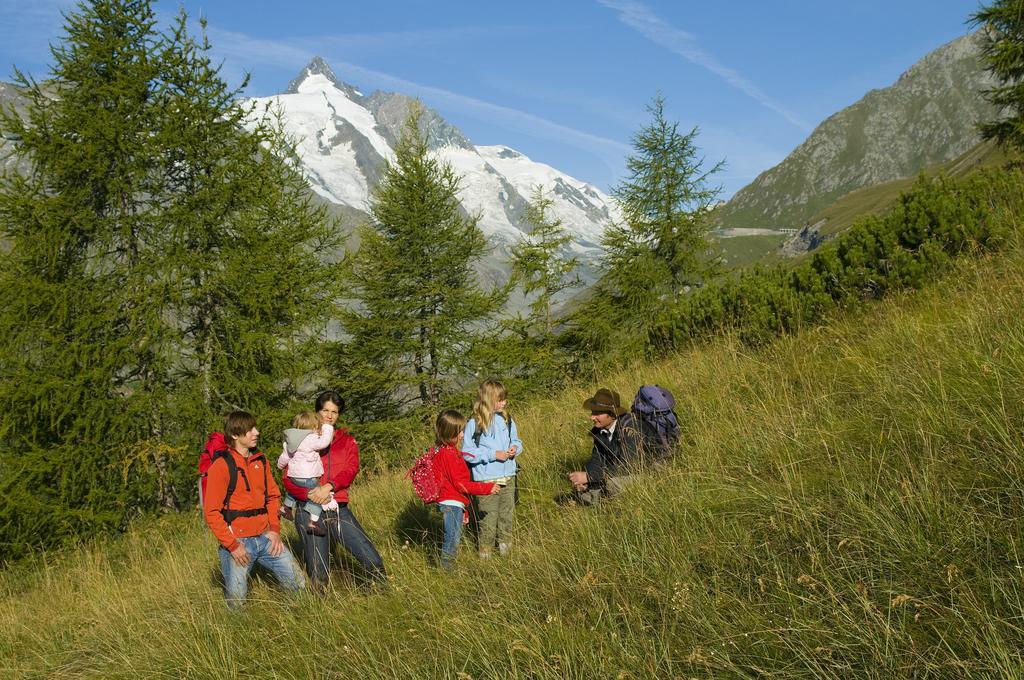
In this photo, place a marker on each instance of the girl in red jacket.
(455, 483)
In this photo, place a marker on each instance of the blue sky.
(567, 82)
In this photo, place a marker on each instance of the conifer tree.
(73, 323)
(659, 250)
(165, 266)
(1002, 25)
(537, 263)
(416, 304)
(525, 351)
(249, 256)
(665, 199)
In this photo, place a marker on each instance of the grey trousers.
(613, 486)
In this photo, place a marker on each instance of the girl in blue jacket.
(491, 446)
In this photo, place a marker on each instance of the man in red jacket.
(241, 509)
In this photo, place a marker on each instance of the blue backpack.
(655, 418)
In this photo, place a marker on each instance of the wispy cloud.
(521, 121)
(422, 38)
(249, 50)
(361, 43)
(638, 17)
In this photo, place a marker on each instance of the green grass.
(848, 502)
(743, 251)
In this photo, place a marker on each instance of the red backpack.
(214, 443)
(424, 477)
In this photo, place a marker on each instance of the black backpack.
(233, 473)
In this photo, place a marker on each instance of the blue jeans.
(236, 578)
(342, 527)
(452, 516)
(314, 509)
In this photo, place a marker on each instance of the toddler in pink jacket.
(300, 455)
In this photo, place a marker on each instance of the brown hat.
(605, 401)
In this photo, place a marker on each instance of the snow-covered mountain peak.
(501, 151)
(318, 75)
(316, 82)
(338, 138)
(345, 139)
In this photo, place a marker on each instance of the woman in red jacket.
(341, 464)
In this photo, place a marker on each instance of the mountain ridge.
(925, 118)
(345, 138)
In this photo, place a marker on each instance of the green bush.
(935, 222)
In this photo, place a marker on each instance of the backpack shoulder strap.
(232, 474)
(266, 480)
(508, 425)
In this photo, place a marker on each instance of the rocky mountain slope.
(927, 117)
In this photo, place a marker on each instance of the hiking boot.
(316, 528)
(286, 513)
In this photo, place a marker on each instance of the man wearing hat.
(616, 449)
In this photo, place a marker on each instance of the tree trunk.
(206, 361)
(166, 496)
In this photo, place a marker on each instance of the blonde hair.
(488, 395)
(306, 420)
(447, 427)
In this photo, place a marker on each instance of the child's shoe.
(485, 553)
(503, 549)
(286, 513)
(316, 528)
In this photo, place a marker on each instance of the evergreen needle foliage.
(1002, 25)
(527, 353)
(165, 266)
(416, 305)
(660, 250)
(538, 265)
(77, 328)
(936, 221)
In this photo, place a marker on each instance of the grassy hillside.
(877, 199)
(743, 251)
(849, 501)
